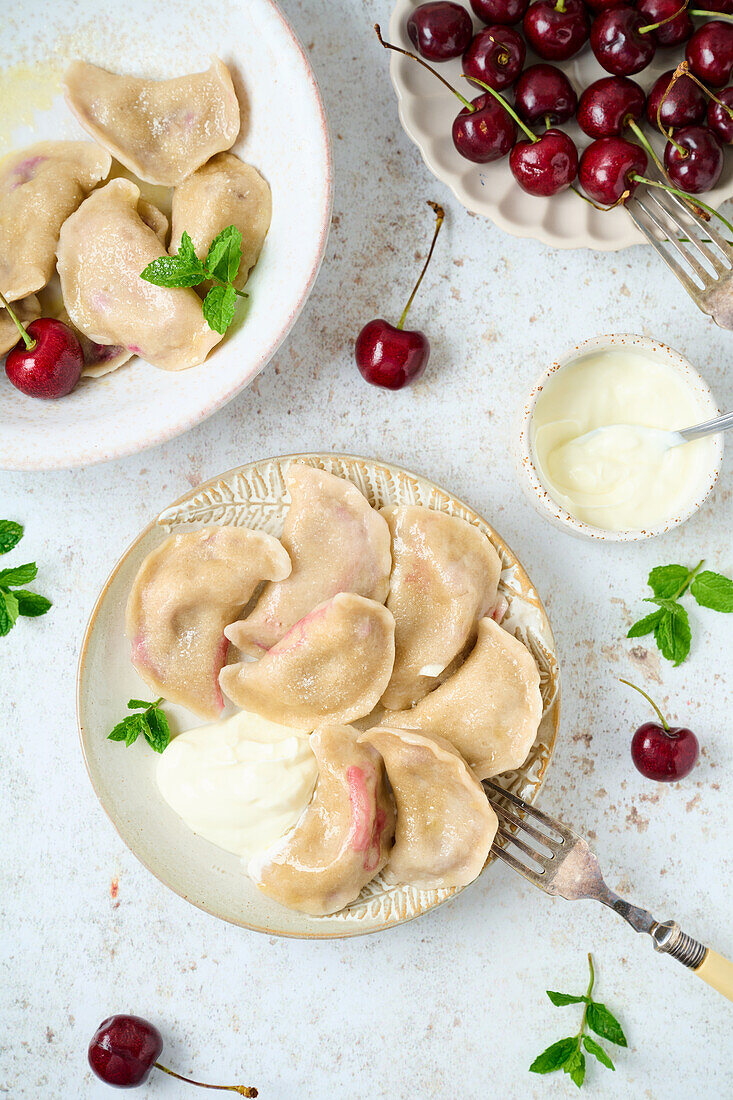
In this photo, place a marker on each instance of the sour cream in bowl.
(592, 452)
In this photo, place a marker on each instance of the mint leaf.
(219, 305)
(224, 256)
(555, 1056)
(598, 1052)
(667, 580)
(157, 731)
(139, 704)
(30, 604)
(10, 535)
(645, 625)
(605, 1024)
(672, 634)
(185, 269)
(19, 574)
(575, 1066)
(713, 590)
(8, 612)
(186, 251)
(128, 730)
(560, 999)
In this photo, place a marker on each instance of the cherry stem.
(28, 340)
(685, 71)
(686, 198)
(653, 26)
(510, 110)
(243, 1090)
(414, 57)
(715, 14)
(560, 6)
(596, 205)
(502, 58)
(648, 698)
(439, 219)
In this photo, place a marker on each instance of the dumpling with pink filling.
(162, 130)
(103, 248)
(332, 666)
(184, 594)
(444, 579)
(342, 839)
(40, 186)
(336, 542)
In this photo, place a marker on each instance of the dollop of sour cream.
(622, 477)
(240, 783)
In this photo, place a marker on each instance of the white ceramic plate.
(284, 134)
(124, 779)
(427, 110)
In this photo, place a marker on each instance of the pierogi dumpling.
(444, 579)
(342, 839)
(102, 250)
(489, 709)
(27, 310)
(332, 666)
(162, 130)
(445, 824)
(184, 594)
(224, 192)
(40, 186)
(336, 542)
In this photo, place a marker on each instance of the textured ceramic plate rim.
(330, 931)
(155, 437)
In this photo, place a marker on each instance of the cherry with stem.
(30, 343)
(241, 1090)
(662, 752)
(47, 361)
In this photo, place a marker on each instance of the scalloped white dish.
(427, 110)
(139, 406)
(124, 779)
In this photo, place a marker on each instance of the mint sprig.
(15, 601)
(152, 724)
(220, 267)
(567, 1054)
(670, 623)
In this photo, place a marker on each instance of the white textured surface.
(452, 1004)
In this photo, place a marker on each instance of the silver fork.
(569, 869)
(708, 271)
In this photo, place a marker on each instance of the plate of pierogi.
(343, 651)
(197, 153)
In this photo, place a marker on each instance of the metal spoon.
(665, 440)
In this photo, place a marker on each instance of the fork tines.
(513, 822)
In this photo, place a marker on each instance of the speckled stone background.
(454, 1004)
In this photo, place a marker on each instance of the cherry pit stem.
(648, 698)
(510, 110)
(439, 219)
(29, 342)
(413, 57)
(242, 1090)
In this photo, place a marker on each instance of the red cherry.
(673, 33)
(605, 5)
(709, 53)
(440, 30)
(607, 166)
(694, 159)
(723, 7)
(495, 57)
(682, 105)
(608, 105)
(617, 43)
(720, 119)
(660, 751)
(500, 11)
(544, 92)
(124, 1049)
(52, 367)
(392, 356)
(484, 132)
(546, 166)
(556, 31)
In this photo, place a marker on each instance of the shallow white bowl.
(529, 477)
(124, 779)
(284, 134)
(427, 110)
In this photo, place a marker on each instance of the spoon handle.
(710, 427)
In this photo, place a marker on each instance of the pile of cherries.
(624, 37)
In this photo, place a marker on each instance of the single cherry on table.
(556, 31)
(389, 355)
(125, 1049)
(544, 93)
(440, 30)
(495, 57)
(47, 361)
(660, 751)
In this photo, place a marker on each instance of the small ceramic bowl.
(528, 473)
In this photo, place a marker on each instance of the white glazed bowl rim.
(545, 503)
